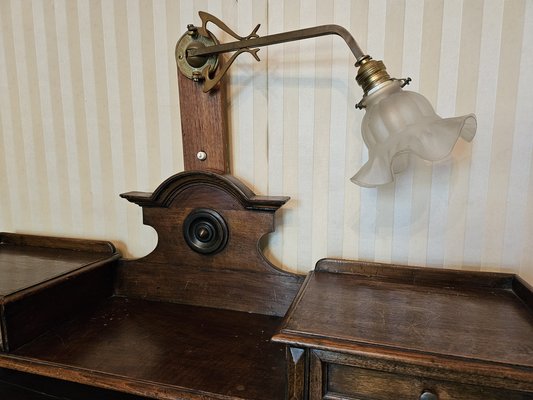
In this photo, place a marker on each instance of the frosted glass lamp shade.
(398, 123)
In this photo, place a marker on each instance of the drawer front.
(334, 376)
(360, 383)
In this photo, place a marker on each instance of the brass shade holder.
(371, 73)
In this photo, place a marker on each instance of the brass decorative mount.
(197, 52)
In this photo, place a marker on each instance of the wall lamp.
(396, 124)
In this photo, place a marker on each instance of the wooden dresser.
(79, 323)
(379, 332)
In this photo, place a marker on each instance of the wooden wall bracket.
(204, 126)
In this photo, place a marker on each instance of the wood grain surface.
(204, 126)
(26, 260)
(239, 277)
(45, 280)
(382, 331)
(202, 349)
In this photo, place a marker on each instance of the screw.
(196, 75)
(201, 155)
(192, 30)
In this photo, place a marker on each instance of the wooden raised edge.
(105, 380)
(294, 304)
(496, 374)
(182, 284)
(418, 275)
(52, 242)
(3, 327)
(63, 311)
(524, 291)
(170, 188)
(27, 291)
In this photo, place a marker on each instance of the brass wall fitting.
(371, 74)
(195, 67)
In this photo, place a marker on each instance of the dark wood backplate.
(238, 278)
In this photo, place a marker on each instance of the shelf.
(38, 275)
(163, 350)
(24, 266)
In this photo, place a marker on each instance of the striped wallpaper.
(89, 109)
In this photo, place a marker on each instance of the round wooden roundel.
(205, 231)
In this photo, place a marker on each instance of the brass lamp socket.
(371, 74)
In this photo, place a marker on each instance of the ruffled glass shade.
(398, 123)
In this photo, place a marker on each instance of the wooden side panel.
(204, 126)
(296, 373)
(317, 377)
(30, 313)
(50, 242)
(269, 294)
(524, 291)
(437, 277)
(45, 280)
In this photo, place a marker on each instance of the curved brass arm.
(197, 50)
(253, 40)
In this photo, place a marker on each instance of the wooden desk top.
(421, 313)
(163, 350)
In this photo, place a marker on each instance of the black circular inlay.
(205, 231)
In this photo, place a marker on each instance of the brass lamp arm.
(197, 50)
(395, 124)
(284, 37)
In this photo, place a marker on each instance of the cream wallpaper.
(89, 109)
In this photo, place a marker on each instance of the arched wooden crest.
(237, 276)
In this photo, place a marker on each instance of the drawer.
(348, 382)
